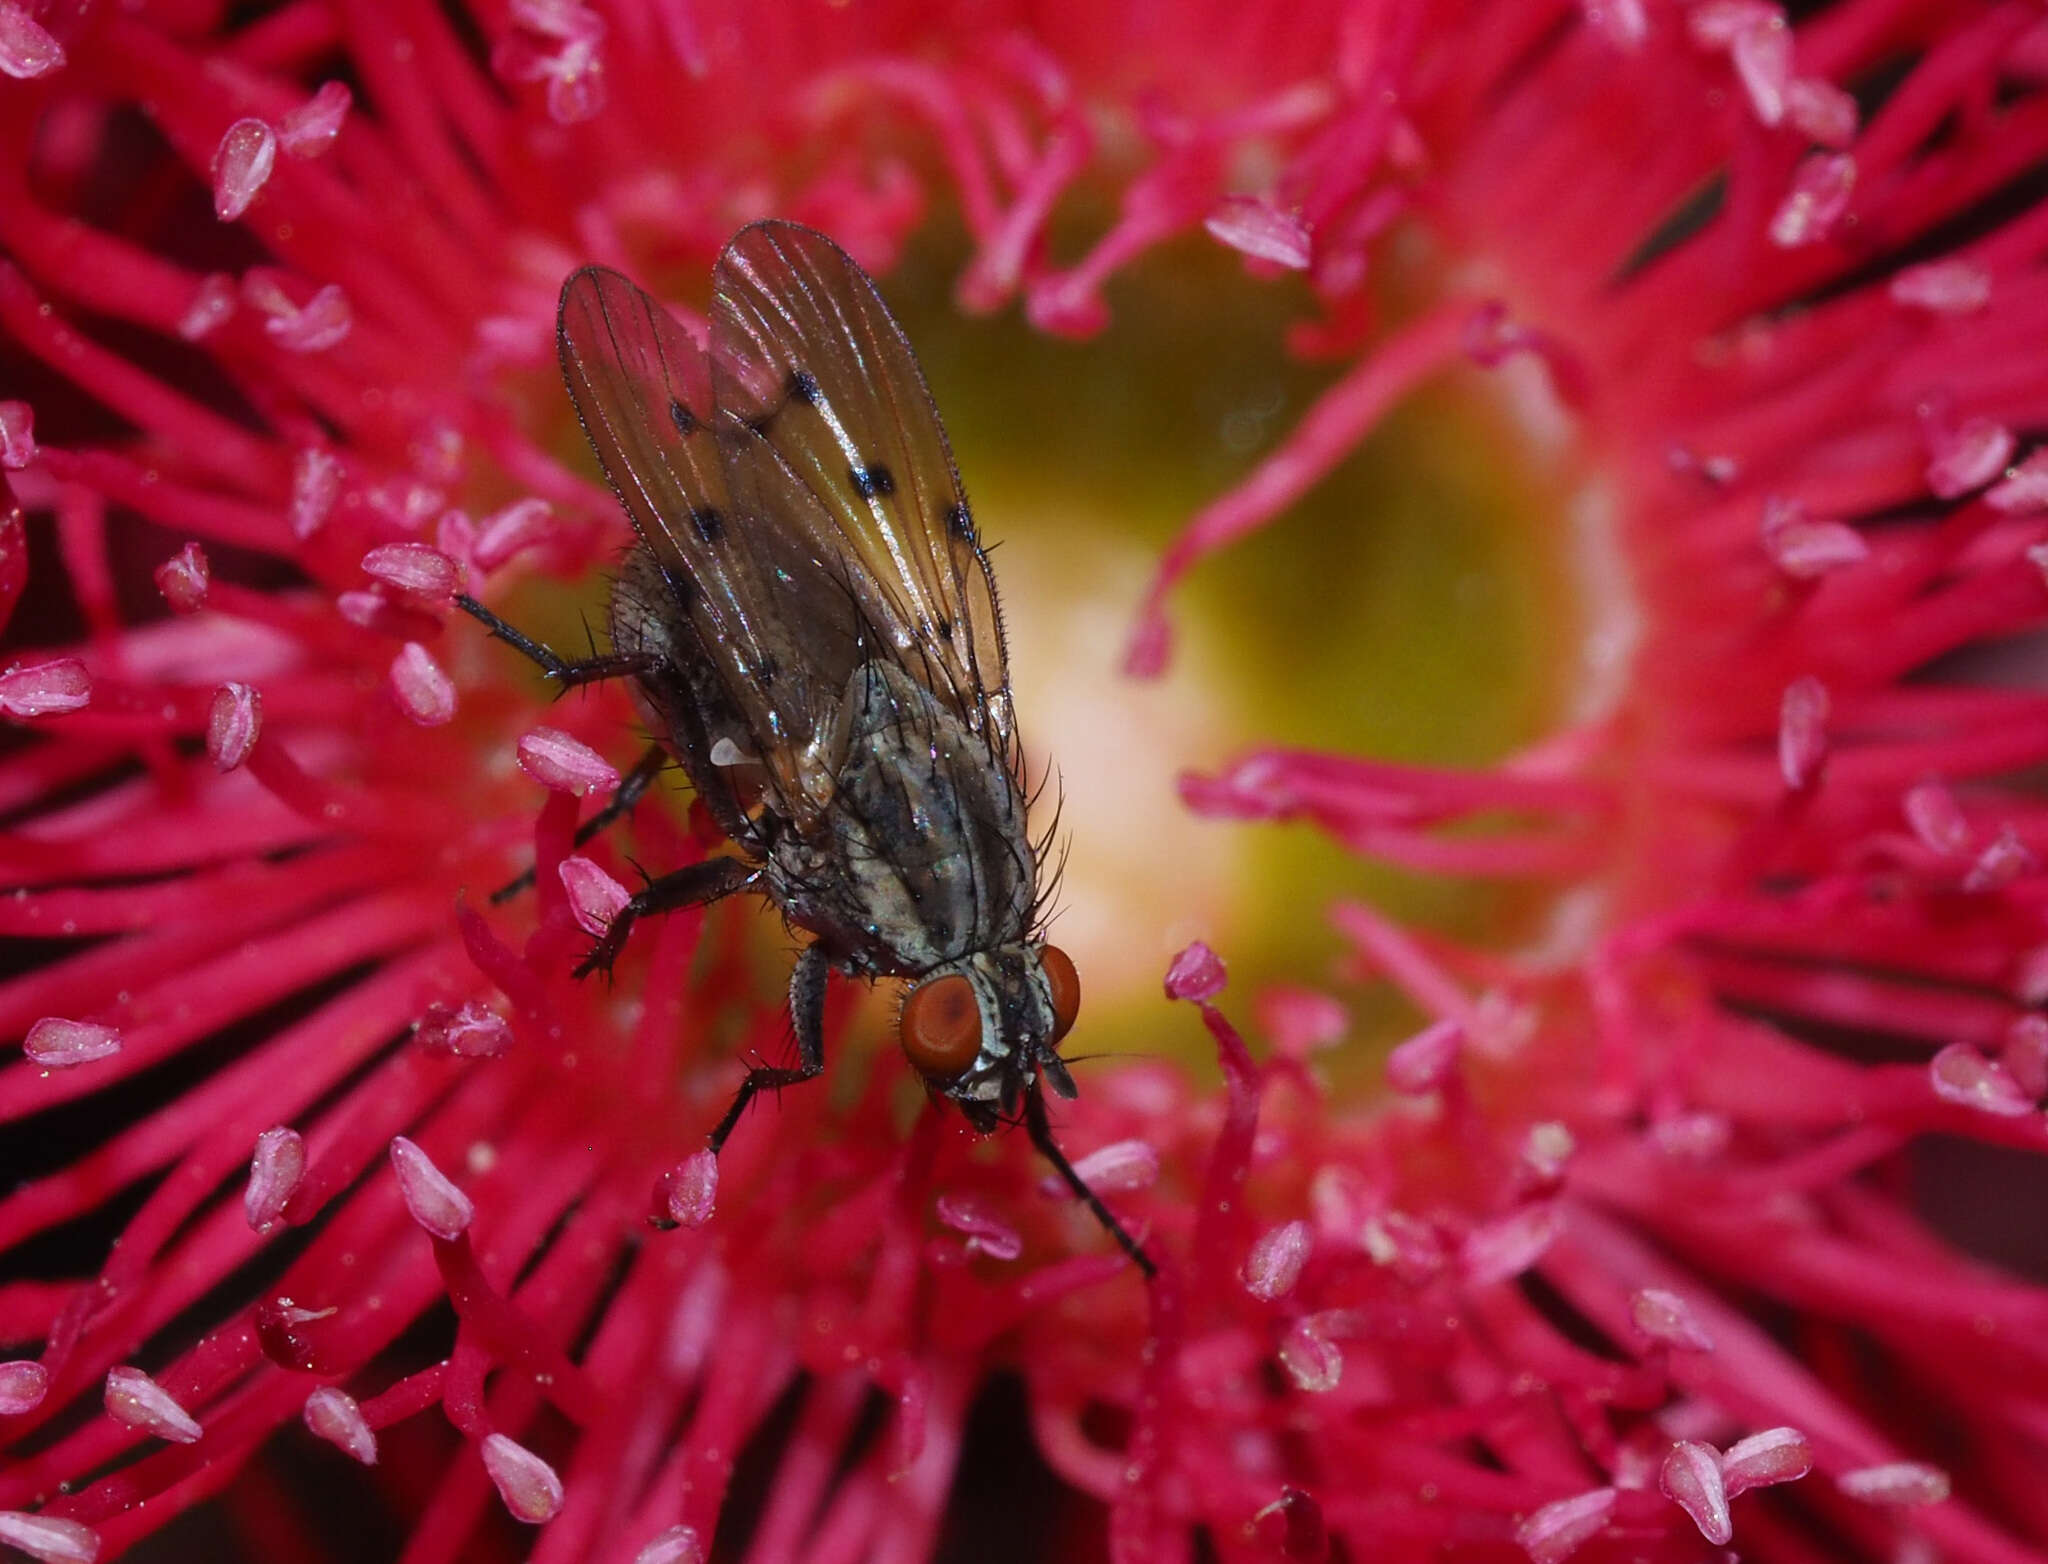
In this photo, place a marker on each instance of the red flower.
(1630, 1231)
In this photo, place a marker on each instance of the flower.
(318, 1140)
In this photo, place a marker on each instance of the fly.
(811, 623)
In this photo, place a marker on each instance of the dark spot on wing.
(685, 420)
(709, 523)
(945, 629)
(869, 482)
(681, 587)
(959, 523)
(802, 387)
(766, 669)
(761, 423)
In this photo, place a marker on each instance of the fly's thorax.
(979, 1029)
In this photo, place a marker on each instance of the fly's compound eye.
(941, 1026)
(1066, 989)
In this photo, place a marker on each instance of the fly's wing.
(825, 421)
(751, 587)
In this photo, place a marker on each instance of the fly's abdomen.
(929, 838)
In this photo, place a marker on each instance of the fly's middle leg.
(807, 1013)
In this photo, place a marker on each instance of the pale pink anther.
(183, 579)
(320, 323)
(2025, 1054)
(1622, 23)
(1692, 1137)
(1275, 1261)
(565, 764)
(23, 1384)
(58, 1044)
(1806, 549)
(1821, 111)
(1196, 973)
(1821, 187)
(316, 484)
(233, 724)
(1762, 57)
(1404, 1244)
(1716, 24)
(676, 1545)
(1937, 819)
(1777, 1455)
(1299, 1021)
(429, 1194)
(2024, 488)
(1802, 731)
(455, 536)
(1967, 455)
(472, 1030)
(49, 1539)
(595, 898)
(310, 129)
(1691, 1479)
(1310, 1356)
(27, 50)
(213, 303)
(45, 689)
(1951, 287)
(135, 1399)
(1906, 1484)
(1261, 230)
(1961, 1075)
(1118, 1168)
(17, 435)
(423, 692)
(2004, 860)
(1557, 1531)
(241, 166)
(333, 1415)
(1665, 1317)
(504, 533)
(1507, 1246)
(1547, 1149)
(417, 568)
(687, 1194)
(986, 1232)
(275, 1168)
(1427, 1061)
(527, 1484)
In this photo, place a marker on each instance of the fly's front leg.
(687, 887)
(566, 673)
(807, 1013)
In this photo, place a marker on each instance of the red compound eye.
(1066, 989)
(941, 1025)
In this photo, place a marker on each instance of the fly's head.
(980, 1030)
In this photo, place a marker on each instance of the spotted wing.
(771, 617)
(824, 416)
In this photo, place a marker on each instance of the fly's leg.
(1041, 1136)
(807, 1012)
(690, 886)
(628, 793)
(566, 673)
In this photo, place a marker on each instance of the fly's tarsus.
(631, 789)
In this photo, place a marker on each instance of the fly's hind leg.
(807, 1013)
(631, 789)
(690, 886)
